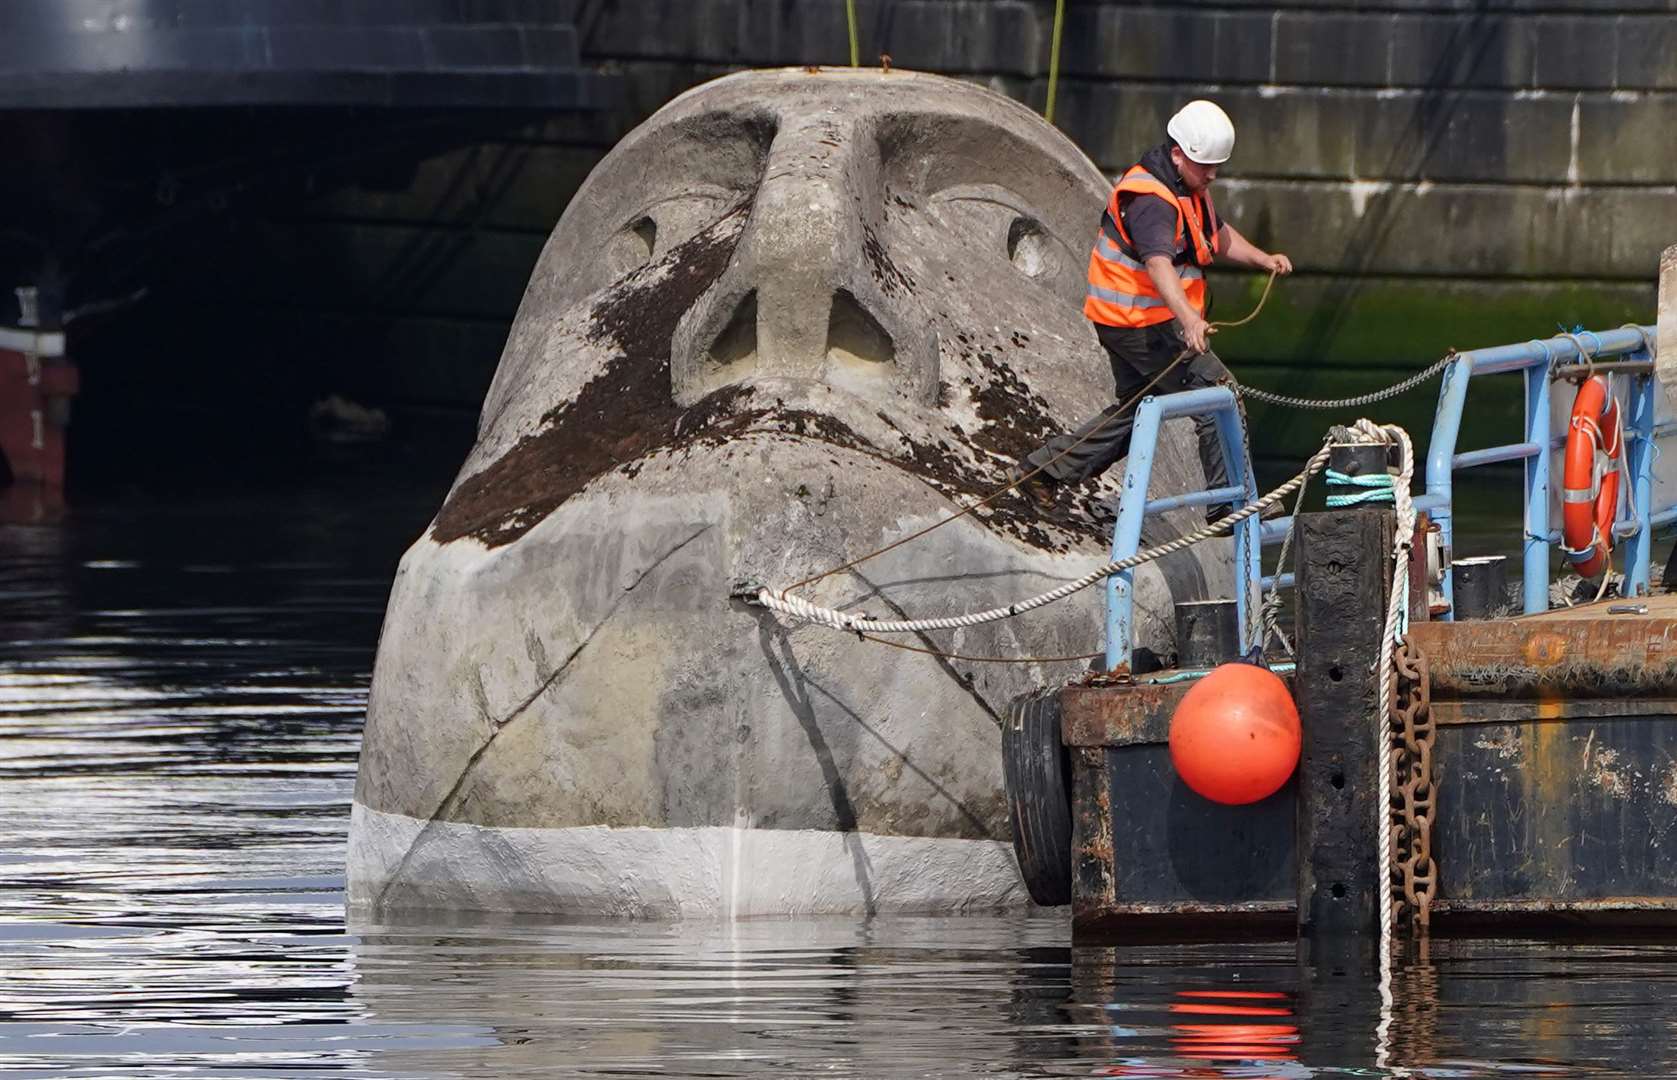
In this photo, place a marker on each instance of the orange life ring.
(1591, 481)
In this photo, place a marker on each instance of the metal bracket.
(746, 589)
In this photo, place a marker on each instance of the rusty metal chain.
(1414, 790)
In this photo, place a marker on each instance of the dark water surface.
(182, 681)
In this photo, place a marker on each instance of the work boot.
(1035, 486)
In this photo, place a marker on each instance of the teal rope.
(1284, 668)
(1376, 488)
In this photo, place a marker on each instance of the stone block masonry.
(1471, 176)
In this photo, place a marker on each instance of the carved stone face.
(794, 316)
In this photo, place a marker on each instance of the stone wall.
(1443, 172)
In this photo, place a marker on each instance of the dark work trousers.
(1137, 354)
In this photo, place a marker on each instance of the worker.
(1147, 297)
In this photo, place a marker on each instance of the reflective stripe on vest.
(1125, 299)
(1109, 251)
(1120, 291)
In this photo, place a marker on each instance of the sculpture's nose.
(803, 298)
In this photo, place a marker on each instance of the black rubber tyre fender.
(1037, 769)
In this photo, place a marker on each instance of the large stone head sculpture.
(794, 316)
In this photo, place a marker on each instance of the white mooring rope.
(1397, 614)
(784, 603)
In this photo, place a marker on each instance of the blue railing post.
(1133, 507)
(1126, 532)
(1639, 551)
(1441, 463)
(1536, 565)
(1247, 545)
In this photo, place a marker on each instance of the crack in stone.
(448, 801)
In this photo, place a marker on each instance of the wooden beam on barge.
(1344, 576)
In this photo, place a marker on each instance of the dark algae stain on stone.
(626, 412)
(618, 416)
(1016, 418)
(639, 316)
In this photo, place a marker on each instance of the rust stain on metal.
(1601, 905)
(1097, 847)
(1503, 741)
(1131, 714)
(1552, 659)
(1668, 785)
(1094, 870)
(1544, 649)
(1100, 837)
(1549, 781)
(1185, 920)
(1118, 715)
(1192, 907)
(1603, 770)
(1466, 711)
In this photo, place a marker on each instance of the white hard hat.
(1203, 131)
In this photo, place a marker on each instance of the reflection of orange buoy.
(1203, 1009)
(1235, 735)
(1241, 1040)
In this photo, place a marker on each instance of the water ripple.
(180, 710)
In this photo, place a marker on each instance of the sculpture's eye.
(1030, 247)
(660, 226)
(993, 219)
(631, 247)
(996, 194)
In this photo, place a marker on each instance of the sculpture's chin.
(595, 675)
(678, 872)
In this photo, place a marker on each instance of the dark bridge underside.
(123, 54)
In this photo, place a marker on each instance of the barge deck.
(1534, 780)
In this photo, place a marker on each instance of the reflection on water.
(181, 689)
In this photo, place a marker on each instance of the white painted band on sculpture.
(715, 872)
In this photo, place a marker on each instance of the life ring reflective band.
(1590, 498)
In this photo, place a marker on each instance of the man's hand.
(1278, 264)
(1197, 333)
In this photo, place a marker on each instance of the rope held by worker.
(1147, 295)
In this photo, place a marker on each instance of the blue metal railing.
(1637, 518)
(1133, 507)
(1535, 360)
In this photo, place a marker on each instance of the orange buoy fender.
(1234, 737)
(1590, 497)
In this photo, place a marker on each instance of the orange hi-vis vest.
(1120, 292)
